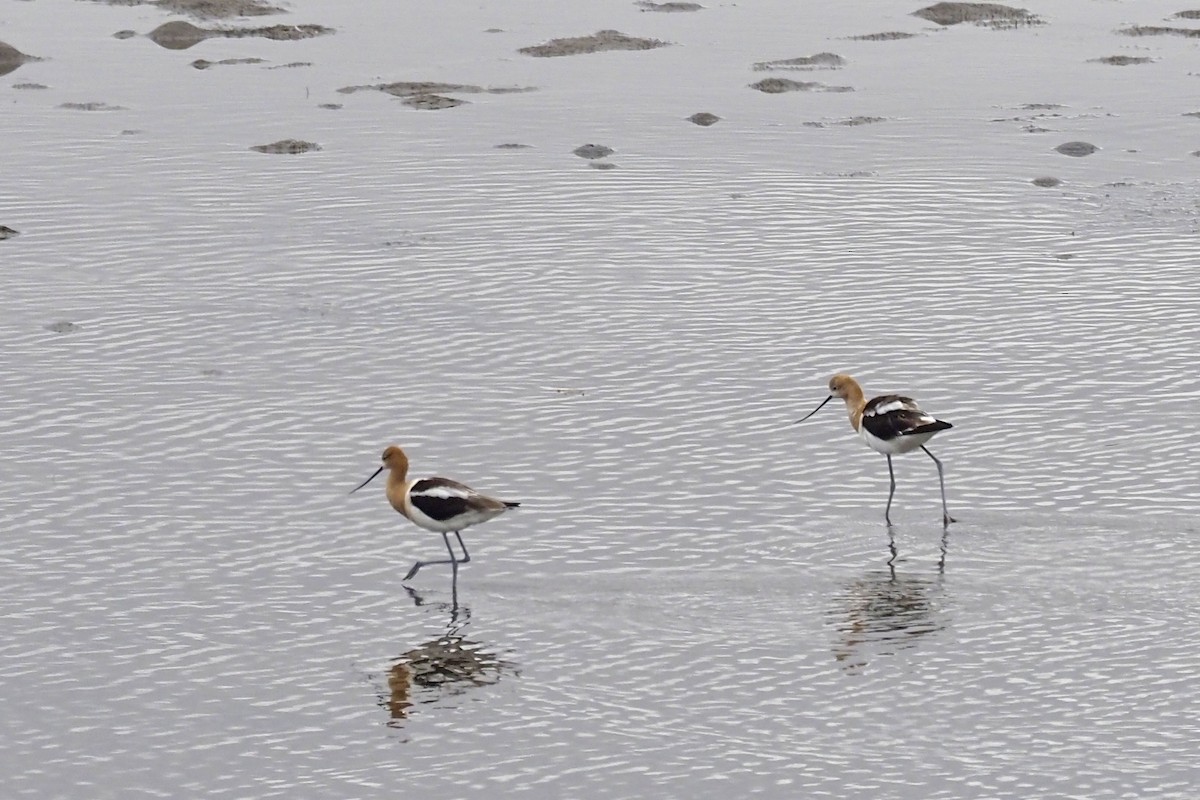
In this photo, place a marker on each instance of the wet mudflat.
(205, 348)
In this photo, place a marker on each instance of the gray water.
(204, 348)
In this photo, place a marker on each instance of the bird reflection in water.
(445, 667)
(886, 611)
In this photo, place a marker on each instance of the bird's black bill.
(815, 410)
(368, 480)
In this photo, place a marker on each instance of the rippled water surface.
(204, 348)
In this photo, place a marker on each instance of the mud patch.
(886, 36)
(432, 102)
(849, 122)
(1046, 182)
(1160, 30)
(819, 61)
(200, 63)
(1120, 61)
(11, 58)
(90, 107)
(597, 42)
(602, 165)
(63, 327)
(287, 146)
(1031, 123)
(668, 8)
(330, 106)
(180, 35)
(781, 85)
(30, 86)
(704, 119)
(432, 95)
(1077, 149)
(592, 151)
(992, 15)
(513, 146)
(205, 9)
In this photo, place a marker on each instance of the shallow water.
(206, 347)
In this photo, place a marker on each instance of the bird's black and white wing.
(891, 416)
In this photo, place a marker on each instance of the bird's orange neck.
(855, 403)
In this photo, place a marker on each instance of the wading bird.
(435, 504)
(889, 424)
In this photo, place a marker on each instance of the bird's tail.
(932, 427)
(511, 505)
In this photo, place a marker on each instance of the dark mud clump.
(287, 146)
(1160, 30)
(593, 151)
(992, 15)
(704, 119)
(819, 61)
(849, 122)
(6, 232)
(668, 8)
(11, 58)
(781, 85)
(597, 42)
(180, 35)
(64, 327)
(1120, 61)
(1046, 182)
(432, 102)
(886, 36)
(200, 63)
(1077, 149)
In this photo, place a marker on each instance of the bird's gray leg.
(466, 556)
(452, 561)
(891, 491)
(946, 518)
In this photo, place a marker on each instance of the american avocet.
(435, 504)
(889, 424)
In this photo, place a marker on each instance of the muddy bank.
(287, 146)
(993, 15)
(180, 35)
(668, 8)
(818, 61)
(205, 9)
(433, 95)
(11, 58)
(597, 42)
(781, 85)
